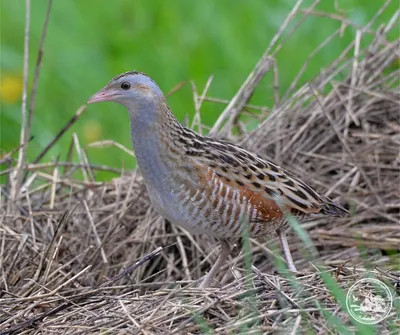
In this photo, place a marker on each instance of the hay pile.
(63, 238)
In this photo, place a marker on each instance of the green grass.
(88, 42)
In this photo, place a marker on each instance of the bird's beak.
(102, 95)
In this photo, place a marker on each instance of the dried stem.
(17, 177)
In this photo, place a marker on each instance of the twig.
(247, 106)
(37, 69)
(17, 177)
(75, 118)
(283, 26)
(109, 143)
(7, 156)
(80, 157)
(176, 88)
(98, 240)
(198, 100)
(242, 97)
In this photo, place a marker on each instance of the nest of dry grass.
(63, 238)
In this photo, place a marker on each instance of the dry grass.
(62, 236)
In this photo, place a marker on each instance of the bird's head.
(134, 90)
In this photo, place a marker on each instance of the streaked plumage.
(204, 184)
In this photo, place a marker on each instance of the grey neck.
(147, 145)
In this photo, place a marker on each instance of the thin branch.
(17, 178)
(68, 125)
(242, 96)
(37, 69)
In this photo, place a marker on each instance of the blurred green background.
(88, 42)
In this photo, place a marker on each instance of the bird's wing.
(273, 188)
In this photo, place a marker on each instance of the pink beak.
(102, 95)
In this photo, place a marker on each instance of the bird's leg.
(286, 251)
(225, 251)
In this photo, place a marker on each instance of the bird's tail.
(333, 209)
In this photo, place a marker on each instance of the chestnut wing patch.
(234, 203)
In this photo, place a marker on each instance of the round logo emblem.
(369, 301)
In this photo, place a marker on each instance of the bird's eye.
(126, 85)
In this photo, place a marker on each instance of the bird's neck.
(154, 141)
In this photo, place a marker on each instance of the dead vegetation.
(63, 238)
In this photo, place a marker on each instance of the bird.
(208, 185)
